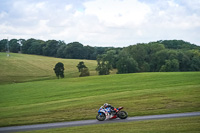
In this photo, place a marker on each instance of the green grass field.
(71, 99)
(22, 67)
(27, 97)
(178, 125)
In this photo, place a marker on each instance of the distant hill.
(23, 67)
(178, 44)
(75, 50)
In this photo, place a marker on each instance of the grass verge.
(176, 125)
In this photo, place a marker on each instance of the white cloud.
(117, 12)
(101, 22)
(172, 4)
(68, 7)
(3, 14)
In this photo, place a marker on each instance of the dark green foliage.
(89, 53)
(60, 51)
(59, 70)
(51, 48)
(155, 57)
(80, 66)
(170, 66)
(103, 66)
(150, 57)
(145, 67)
(107, 61)
(75, 50)
(143, 54)
(36, 48)
(126, 64)
(26, 45)
(139, 53)
(3, 45)
(32, 46)
(112, 57)
(84, 72)
(178, 44)
(194, 56)
(160, 58)
(83, 69)
(14, 46)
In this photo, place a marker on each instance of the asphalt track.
(91, 122)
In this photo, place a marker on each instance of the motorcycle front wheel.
(101, 117)
(122, 115)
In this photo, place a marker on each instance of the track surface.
(91, 122)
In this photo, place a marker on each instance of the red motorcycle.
(105, 114)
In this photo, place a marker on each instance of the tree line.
(52, 48)
(159, 56)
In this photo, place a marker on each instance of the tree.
(84, 72)
(112, 57)
(59, 70)
(194, 56)
(170, 66)
(184, 61)
(89, 53)
(3, 44)
(36, 47)
(14, 46)
(139, 53)
(51, 48)
(160, 57)
(74, 50)
(80, 66)
(126, 64)
(26, 46)
(178, 44)
(83, 69)
(60, 51)
(143, 54)
(103, 66)
(145, 67)
(152, 49)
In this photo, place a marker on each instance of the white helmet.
(105, 105)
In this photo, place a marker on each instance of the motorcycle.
(105, 114)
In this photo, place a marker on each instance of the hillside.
(23, 67)
(160, 56)
(71, 99)
(178, 44)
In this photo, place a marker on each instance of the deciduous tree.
(84, 72)
(81, 65)
(126, 64)
(103, 66)
(59, 70)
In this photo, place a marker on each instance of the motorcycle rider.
(112, 109)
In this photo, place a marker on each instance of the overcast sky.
(117, 23)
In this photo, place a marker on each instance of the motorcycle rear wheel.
(122, 114)
(101, 117)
